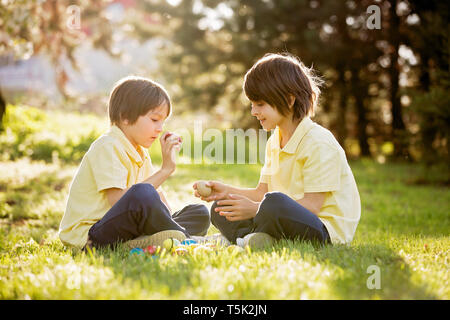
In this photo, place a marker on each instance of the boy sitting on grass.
(306, 189)
(114, 195)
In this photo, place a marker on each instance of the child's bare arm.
(313, 201)
(114, 194)
(221, 191)
(255, 194)
(163, 199)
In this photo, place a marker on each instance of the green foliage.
(51, 136)
(33, 133)
(204, 65)
(434, 117)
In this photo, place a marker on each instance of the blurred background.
(385, 64)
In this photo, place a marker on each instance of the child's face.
(147, 127)
(268, 116)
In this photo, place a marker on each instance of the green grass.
(404, 230)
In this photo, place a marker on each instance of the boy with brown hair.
(306, 189)
(115, 195)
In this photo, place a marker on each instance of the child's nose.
(159, 128)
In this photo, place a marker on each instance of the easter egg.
(150, 249)
(188, 242)
(136, 251)
(203, 189)
(181, 251)
(170, 243)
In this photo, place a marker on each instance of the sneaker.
(155, 239)
(257, 240)
(217, 238)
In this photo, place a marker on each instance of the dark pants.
(141, 211)
(278, 215)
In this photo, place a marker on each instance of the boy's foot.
(155, 239)
(218, 239)
(257, 240)
(89, 245)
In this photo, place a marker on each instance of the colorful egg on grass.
(210, 245)
(181, 251)
(137, 251)
(170, 243)
(150, 249)
(188, 242)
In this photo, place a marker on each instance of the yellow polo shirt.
(110, 162)
(313, 161)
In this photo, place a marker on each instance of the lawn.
(403, 233)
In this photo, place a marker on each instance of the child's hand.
(237, 207)
(218, 191)
(170, 143)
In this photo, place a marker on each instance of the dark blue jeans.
(141, 211)
(278, 215)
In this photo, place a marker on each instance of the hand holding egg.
(203, 189)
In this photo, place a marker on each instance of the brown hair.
(133, 97)
(275, 77)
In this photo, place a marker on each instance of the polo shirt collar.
(291, 146)
(129, 148)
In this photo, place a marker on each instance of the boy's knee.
(274, 197)
(213, 213)
(213, 207)
(142, 192)
(202, 211)
(270, 205)
(205, 218)
(272, 201)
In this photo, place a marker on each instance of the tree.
(317, 32)
(30, 27)
(429, 37)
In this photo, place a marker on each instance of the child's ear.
(291, 101)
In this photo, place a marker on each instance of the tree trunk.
(2, 110)
(362, 120)
(398, 125)
(342, 110)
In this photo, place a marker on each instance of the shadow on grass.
(357, 268)
(350, 274)
(162, 275)
(22, 200)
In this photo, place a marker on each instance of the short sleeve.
(107, 168)
(321, 169)
(265, 171)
